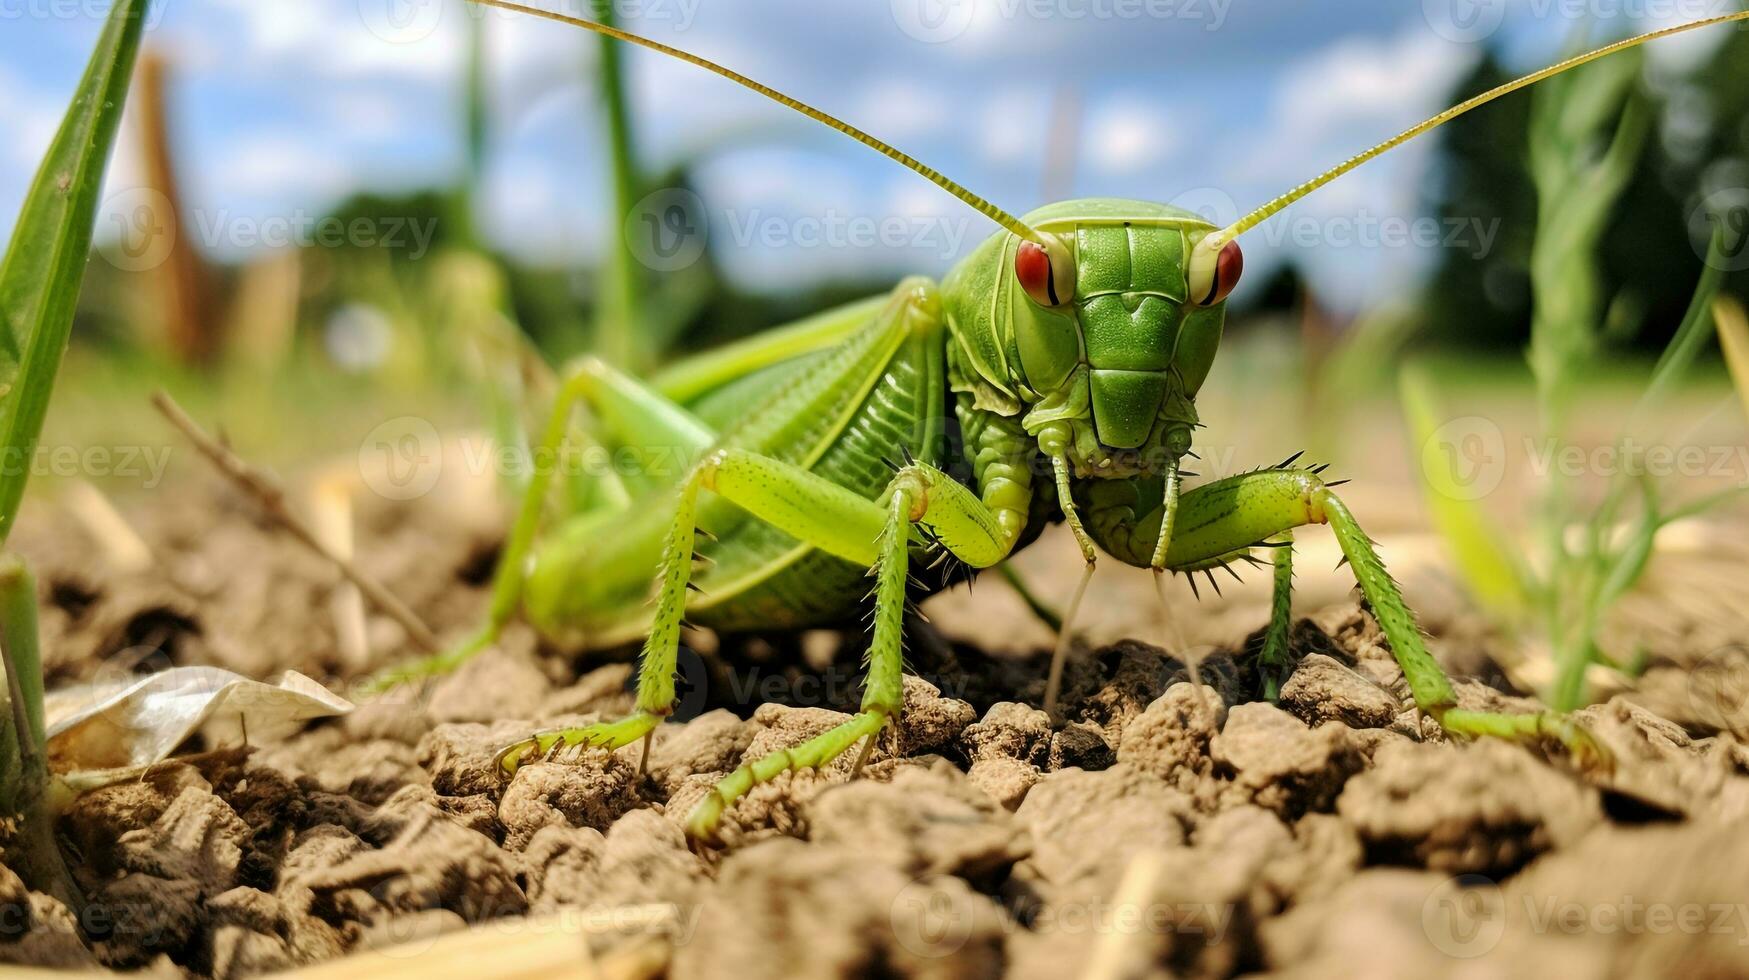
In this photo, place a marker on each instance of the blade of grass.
(1690, 337)
(45, 263)
(39, 288)
(620, 335)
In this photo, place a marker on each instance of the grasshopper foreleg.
(1227, 516)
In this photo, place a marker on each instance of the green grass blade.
(45, 263)
(1691, 335)
(620, 335)
(1477, 547)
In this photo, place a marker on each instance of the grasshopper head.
(1115, 326)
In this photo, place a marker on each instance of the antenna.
(1213, 243)
(936, 177)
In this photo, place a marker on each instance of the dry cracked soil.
(1168, 825)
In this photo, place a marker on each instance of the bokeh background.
(274, 115)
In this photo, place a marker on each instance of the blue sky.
(281, 107)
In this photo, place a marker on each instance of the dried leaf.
(101, 732)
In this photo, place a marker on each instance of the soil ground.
(1165, 827)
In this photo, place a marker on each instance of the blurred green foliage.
(1696, 146)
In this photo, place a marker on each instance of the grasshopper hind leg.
(622, 409)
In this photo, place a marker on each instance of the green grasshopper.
(1066, 351)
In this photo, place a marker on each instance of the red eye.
(1228, 267)
(1033, 268)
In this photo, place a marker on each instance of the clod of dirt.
(393, 716)
(461, 757)
(590, 793)
(1659, 772)
(1321, 689)
(36, 930)
(1003, 779)
(1487, 807)
(1661, 901)
(197, 842)
(412, 805)
(1087, 825)
(434, 863)
(644, 862)
(1279, 763)
(1135, 675)
(1010, 730)
(371, 770)
(925, 821)
(253, 932)
(1171, 738)
(493, 684)
(1376, 917)
(1654, 901)
(1079, 745)
(95, 821)
(930, 722)
(559, 862)
(606, 691)
(860, 918)
(711, 743)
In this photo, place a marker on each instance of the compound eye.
(1047, 274)
(1227, 268)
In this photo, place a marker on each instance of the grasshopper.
(1065, 353)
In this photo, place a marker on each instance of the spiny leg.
(1427, 682)
(954, 518)
(883, 692)
(1231, 514)
(623, 406)
(1273, 662)
(656, 665)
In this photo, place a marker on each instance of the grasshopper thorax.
(1095, 332)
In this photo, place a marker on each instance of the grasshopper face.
(1113, 330)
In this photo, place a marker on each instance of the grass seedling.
(1587, 130)
(39, 284)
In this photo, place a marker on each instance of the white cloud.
(1127, 135)
(1327, 106)
(1367, 80)
(1012, 125)
(28, 118)
(897, 109)
(279, 165)
(349, 39)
